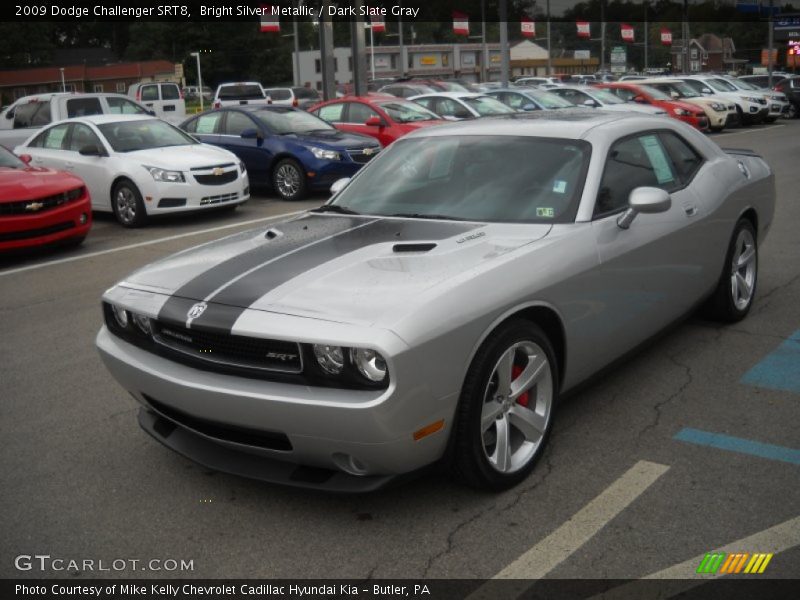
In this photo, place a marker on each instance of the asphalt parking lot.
(690, 446)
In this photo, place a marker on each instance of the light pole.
(199, 79)
(63, 83)
(371, 49)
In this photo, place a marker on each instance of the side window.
(81, 137)
(42, 116)
(236, 123)
(512, 100)
(149, 93)
(170, 91)
(579, 98)
(631, 163)
(54, 137)
(623, 94)
(123, 106)
(685, 158)
(83, 107)
(331, 112)
(206, 123)
(359, 113)
(23, 114)
(449, 107)
(426, 102)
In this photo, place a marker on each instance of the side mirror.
(250, 134)
(674, 95)
(450, 118)
(646, 200)
(529, 107)
(374, 122)
(10, 114)
(90, 150)
(640, 99)
(706, 90)
(590, 103)
(339, 185)
(152, 113)
(26, 158)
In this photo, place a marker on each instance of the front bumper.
(166, 198)
(48, 227)
(322, 174)
(268, 429)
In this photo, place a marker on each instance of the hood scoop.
(272, 234)
(424, 247)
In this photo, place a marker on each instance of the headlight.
(330, 358)
(121, 316)
(752, 99)
(242, 168)
(143, 323)
(325, 154)
(164, 175)
(369, 363)
(681, 112)
(718, 107)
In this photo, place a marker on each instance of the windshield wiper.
(425, 216)
(335, 208)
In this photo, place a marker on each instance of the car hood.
(414, 125)
(33, 183)
(182, 158)
(336, 139)
(633, 107)
(347, 269)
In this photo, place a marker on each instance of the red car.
(644, 94)
(383, 117)
(40, 206)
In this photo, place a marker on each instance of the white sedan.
(455, 106)
(137, 166)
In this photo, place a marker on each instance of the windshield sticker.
(559, 186)
(545, 212)
(207, 124)
(657, 159)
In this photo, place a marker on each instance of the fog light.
(143, 323)
(350, 464)
(369, 363)
(330, 358)
(83, 218)
(121, 316)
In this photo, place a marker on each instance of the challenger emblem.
(34, 206)
(196, 310)
(218, 171)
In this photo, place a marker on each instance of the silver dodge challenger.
(434, 310)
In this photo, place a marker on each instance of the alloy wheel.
(743, 269)
(288, 180)
(126, 205)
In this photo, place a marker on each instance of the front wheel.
(736, 289)
(505, 409)
(288, 180)
(128, 205)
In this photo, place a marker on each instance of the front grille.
(230, 350)
(271, 440)
(358, 155)
(32, 233)
(31, 207)
(171, 202)
(218, 199)
(762, 101)
(222, 179)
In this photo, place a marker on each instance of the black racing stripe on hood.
(294, 234)
(246, 291)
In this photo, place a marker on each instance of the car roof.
(454, 94)
(102, 119)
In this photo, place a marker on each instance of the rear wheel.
(506, 405)
(737, 285)
(127, 203)
(288, 180)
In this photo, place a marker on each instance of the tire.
(126, 200)
(736, 289)
(717, 129)
(289, 180)
(517, 350)
(744, 120)
(792, 113)
(770, 119)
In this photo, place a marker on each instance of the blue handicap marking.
(780, 369)
(740, 445)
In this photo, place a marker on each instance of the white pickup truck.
(30, 113)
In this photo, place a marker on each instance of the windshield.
(9, 160)
(283, 121)
(605, 97)
(450, 86)
(129, 136)
(744, 85)
(656, 94)
(721, 85)
(240, 91)
(407, 112)
(473, 178)
(486, 106)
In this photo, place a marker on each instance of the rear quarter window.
(149, 93)
(170, 91)
(83, 107)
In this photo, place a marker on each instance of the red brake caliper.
(516, 371)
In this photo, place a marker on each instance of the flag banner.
(269, 23)
(626, 31)
(584, 29)
(378, 24)
(460, 23)
(666, 37)
(528, 27)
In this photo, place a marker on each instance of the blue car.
(283, 147)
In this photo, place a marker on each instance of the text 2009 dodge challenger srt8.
(441, 302)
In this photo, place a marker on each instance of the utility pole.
(327, 63)
(770, 45)
(357, 26)
(297, 81)
(504, 66)
(484, 58)
(602, 35)
(646, 37)
(686, 36)
(402, 59)
(549, 47)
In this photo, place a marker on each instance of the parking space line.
(579, 529)
(741, 445)
(726, 134)
(780, 369)
(684, 576)
(168, 238)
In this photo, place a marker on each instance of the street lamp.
(63, 83)
(199, 79)
(371, 49)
